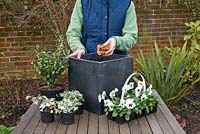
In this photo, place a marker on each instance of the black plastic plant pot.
(139, 115)
(67, 118)
(79, 111)
(120, 119)
(93, 74)
(52, 93)
(110, 117)
(133, 116)
(154, 110)
(144, 112)
(47, 117)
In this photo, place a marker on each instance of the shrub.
(193, 37)
(50, 65)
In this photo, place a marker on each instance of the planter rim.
(56, 87)
(101, 62)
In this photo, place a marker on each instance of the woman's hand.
(77, 53)
(112, 43)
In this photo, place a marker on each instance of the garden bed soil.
(13, 98)
(188, 109)
(13, 103)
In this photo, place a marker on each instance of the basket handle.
(143, 80)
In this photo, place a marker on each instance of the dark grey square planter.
(93, 74)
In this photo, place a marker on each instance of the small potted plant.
(47, 107)
(68, 105)
(80, 100)
(49, 65)
(76, 96)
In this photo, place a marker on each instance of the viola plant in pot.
(47, 107)
(68, 105)
(132, 103)
(77, 97)
(50, 65)
(75, 94)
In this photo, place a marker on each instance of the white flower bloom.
(138, 90)
(116, 89)
(143, 97)
(107, 102)
(122, 103)
(149, 89)
(112, 94)
(28, 97)
(140, 84)
(150, 92)
(36, 102)
(124, 88)
(110, 108)
(137, 94)
(103, 95)
(99, 98)
(130, 103)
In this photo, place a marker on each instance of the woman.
(104, 22)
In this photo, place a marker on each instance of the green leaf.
(127, 117)
(114, 114)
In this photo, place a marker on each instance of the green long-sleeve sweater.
(124, 42)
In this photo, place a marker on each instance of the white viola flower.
(116, 90)
(99, 98)
(125, 88)
(138, 90)
(112, 94)
(150, 92)
(143, 97)
(103, 95)
(122, 103)
(137, 94)
(140, 84)
(149, 89)
(130, 103)
(107, 102)
(110, 105)
(110, 108)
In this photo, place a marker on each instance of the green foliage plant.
(70, 102)
(6, 130)
(193, 37)
(50, 65)
(170, 73)
(46, 104)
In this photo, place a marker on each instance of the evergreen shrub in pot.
(50, 65)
